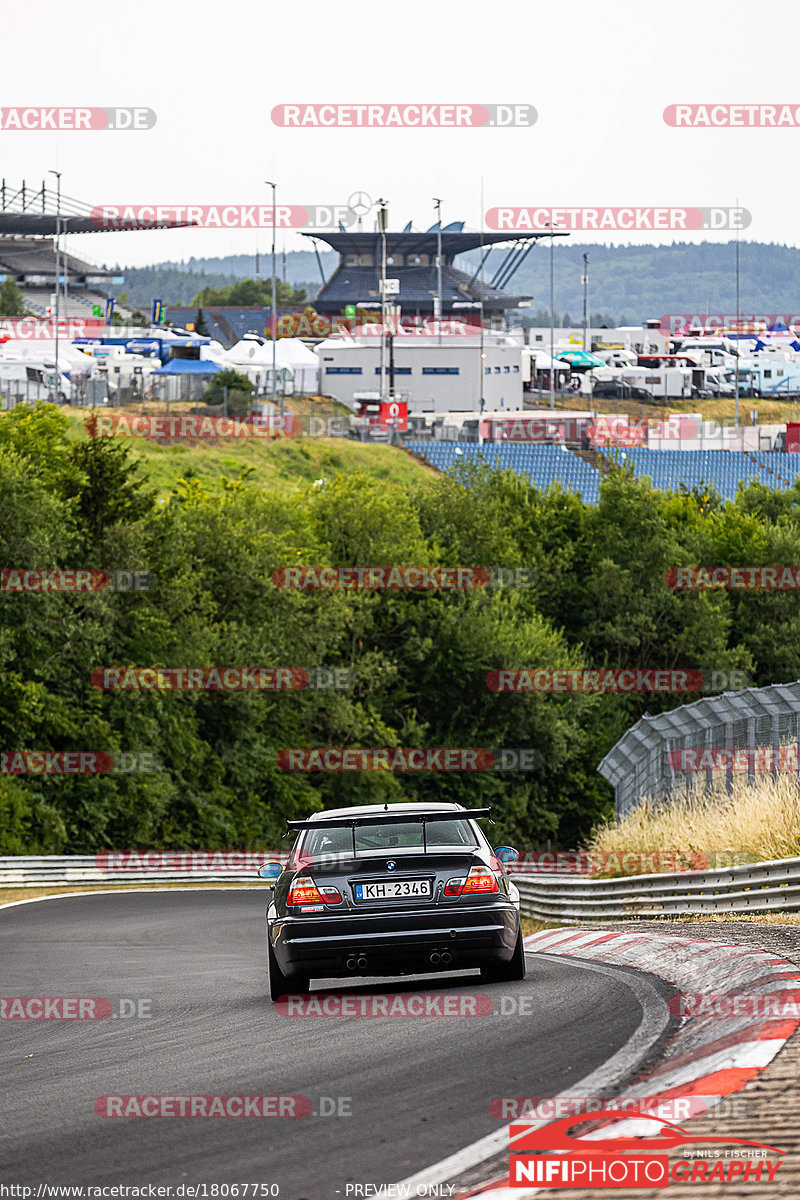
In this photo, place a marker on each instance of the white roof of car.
(364, 809)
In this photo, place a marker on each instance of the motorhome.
(31, 379)
(711, 352)
(656, 383)
(261, 378)
(770, 375)
(125, 372)
(664, 382)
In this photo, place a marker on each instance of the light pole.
(274, 319)
(552, 227)
(738, 322)
(382, 217)
(585, 281)
(438, 206)
(58, 264)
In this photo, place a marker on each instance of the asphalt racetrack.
(416, 1088)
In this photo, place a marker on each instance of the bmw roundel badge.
(391, 865)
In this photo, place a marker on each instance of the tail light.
(453, 886)
(480, 881)
(305, 891)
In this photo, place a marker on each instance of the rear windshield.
(402, 835)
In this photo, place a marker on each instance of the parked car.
(392, 889)
(613, 389)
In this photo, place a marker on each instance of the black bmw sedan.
(390, 890)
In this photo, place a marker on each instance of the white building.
(436, 378)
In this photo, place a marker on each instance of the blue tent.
(189, 366)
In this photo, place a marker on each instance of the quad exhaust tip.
(440, 956)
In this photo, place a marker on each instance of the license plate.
(394, 889)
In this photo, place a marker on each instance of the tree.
(200, 326)
(233, 379)
(109, 487)
(250, 293)
(11, 301)
(239, 400)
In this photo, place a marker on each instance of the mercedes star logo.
(359, 203)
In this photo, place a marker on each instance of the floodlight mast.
(58, 267)
(274, 314)
(382, 219)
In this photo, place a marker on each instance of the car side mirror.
(506, 854)
(270, 870)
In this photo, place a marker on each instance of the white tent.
(250, 351)
(70, 358)
(213, 352)
(290, 353)
(543, 362)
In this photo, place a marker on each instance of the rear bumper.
(394, 942)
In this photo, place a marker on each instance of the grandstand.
(721, 469)
(780, 470)
(31, 263)
(30, 218)
(543, 465)
(227, 325)
(412, 263)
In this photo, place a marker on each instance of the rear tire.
(511, 972)
(280, 984)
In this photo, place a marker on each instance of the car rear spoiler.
(388, 818)
(384, 818)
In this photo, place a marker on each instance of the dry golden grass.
(755, 822)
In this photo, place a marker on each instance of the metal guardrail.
(754, 887)
(83, 869)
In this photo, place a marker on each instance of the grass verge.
(278, 464)
(756, 822)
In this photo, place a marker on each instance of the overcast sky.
(599, 75)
